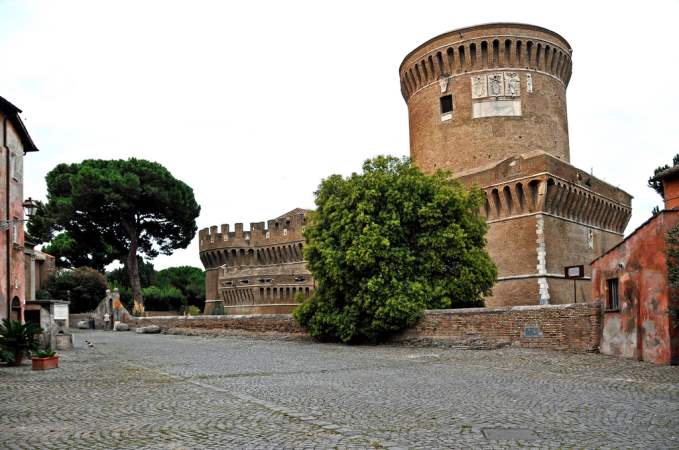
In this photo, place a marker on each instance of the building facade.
(632, 283)
(256, 271)
(16, 142)
(488, 104)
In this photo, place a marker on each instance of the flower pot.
(50, 362)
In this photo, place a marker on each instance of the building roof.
(12, 113)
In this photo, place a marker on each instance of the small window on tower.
(446, 107)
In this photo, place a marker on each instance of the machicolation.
(261, 270)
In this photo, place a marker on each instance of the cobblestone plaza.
(166, 391)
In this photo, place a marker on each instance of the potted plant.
(18, 340)
(45, 359)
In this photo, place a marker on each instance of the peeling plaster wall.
(641, 328)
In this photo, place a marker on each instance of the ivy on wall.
(672, 253)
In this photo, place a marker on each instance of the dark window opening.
(612, 300)
(446, 104)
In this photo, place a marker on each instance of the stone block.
(121, 327)
(151, 329)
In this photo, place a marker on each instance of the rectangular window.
(613, 303)
(446, 104)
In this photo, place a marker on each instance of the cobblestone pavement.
(164, 391)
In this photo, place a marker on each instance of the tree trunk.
(133, 271)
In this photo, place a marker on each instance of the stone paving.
(177, 392)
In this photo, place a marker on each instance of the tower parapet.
(257, 270)
(481, 94)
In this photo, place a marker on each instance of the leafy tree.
(84, 287)
(189, 280)
(70, 249)
(120, 277)
(656, 184)
(167, 298)
(130, 207)
(388, 243)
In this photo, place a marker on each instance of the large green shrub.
(84, 287)
(388, 243)
(167, 298)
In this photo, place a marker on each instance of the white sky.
(252, 103)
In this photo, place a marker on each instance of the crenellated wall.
(261, 269)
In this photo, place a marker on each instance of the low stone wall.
(282, 325)
(574, 327)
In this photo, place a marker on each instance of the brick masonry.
(573, 327)
(544, 214)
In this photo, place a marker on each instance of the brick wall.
(574, 327)
(264, 324)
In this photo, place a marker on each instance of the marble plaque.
(479, 86)
(496, 85)
(529, 83)
(512, 84)
(495, 108)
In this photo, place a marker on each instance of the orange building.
(16, 142)
(632, 283)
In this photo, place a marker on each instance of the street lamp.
(30, 207)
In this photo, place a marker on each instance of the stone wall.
(574, 327)
(260, 324)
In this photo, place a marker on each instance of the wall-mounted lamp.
(30, 207)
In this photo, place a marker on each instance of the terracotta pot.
(51, 362)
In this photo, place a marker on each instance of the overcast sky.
(252, 103)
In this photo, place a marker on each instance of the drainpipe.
(7, 214)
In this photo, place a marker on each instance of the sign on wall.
(60, 312)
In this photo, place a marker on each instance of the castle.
(257, 271)
(488, 104)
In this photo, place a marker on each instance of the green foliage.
(45, 353)
(189, 280)
(121, 207)
(672, 253)
(167, 298)
(388, 243)
(656, 184)
(84, 287)
(18, 340)
(42, 294)
(120, 277)
(192, 310)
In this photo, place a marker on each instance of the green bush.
(388, 243)
(167, 298)
(192, 310)
(84, 287)
(17, 340)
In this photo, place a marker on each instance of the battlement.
(283, 229)
(486, 47)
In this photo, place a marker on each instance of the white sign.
(60, 312)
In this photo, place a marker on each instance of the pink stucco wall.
(14, 146)
(641, 328)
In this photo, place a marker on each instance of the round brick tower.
(485, 93)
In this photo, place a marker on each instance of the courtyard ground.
(166, 391)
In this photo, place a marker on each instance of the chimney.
(670, 184)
